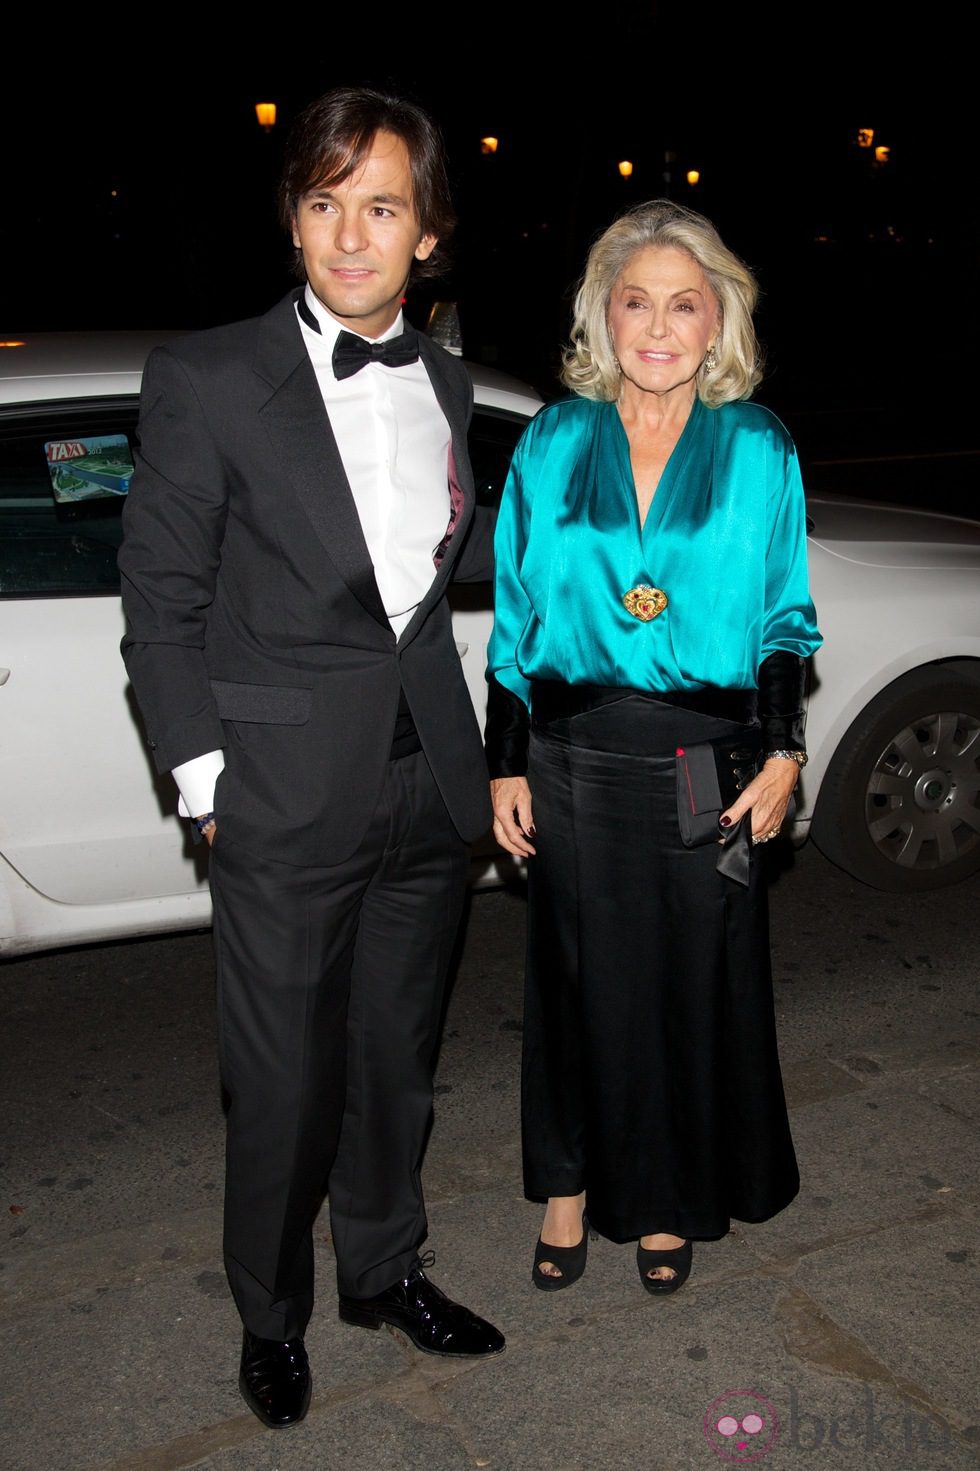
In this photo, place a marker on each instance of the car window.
(54, 546)
(60, 528)
(493, 437)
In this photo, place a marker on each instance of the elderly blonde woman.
(645, 735)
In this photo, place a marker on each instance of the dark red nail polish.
(725, 822)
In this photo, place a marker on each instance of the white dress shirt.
(394, 442)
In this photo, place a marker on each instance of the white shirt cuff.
(196, 781)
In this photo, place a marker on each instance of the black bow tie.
(351, 354)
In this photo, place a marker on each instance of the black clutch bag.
(710, 777)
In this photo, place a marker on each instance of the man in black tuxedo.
(302, 499)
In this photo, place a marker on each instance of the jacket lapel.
(455, 402)
(298, 425)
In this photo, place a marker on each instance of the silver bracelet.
(800, 757)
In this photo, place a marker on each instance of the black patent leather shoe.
(275, 1379)
(433, 1322)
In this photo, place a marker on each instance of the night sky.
(139, 189)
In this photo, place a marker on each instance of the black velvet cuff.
(782, 682)
(507, 732)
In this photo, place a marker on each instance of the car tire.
(899, 807)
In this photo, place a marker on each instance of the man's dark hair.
(331, 139)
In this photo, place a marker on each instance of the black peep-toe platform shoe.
(678, 1258)
(570, 1261)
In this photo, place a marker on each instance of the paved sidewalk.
(851, 1319)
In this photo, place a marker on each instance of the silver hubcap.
(923, 800)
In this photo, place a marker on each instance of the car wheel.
(899, 807)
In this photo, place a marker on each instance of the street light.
(266, 114)
(488, 145)
(625, 168)
(693, 177)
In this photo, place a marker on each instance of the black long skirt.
(651, 1075)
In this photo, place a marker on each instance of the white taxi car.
(91, 847)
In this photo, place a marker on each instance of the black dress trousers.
(330, 990)
(651, 1076)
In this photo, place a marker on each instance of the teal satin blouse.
(725, 538)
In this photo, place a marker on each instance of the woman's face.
(663, 317)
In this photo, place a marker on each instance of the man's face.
(359, 239)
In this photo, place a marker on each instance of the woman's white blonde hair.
(590, 367)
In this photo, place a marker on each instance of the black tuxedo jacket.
(254, 621)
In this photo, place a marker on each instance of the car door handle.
(4, 675)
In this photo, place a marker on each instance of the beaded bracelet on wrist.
(800, 757)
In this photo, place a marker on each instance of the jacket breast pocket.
(262, 704)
